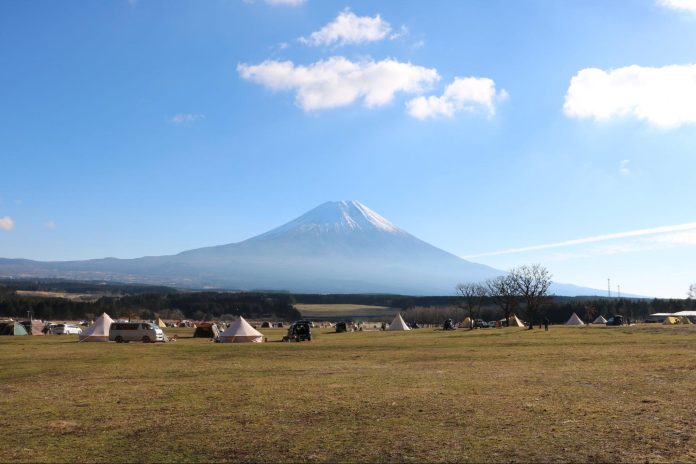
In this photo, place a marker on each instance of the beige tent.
(466, 323)
(514, 321)
(398, 324)
(240, 331)
(574, 320)
(600, 320)
(99, 331)
(684, 320)
(671, 320)
(160, 323)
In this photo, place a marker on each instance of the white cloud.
(689, 5)
(50, 225)
(625, 168)
(286, 2)
(657, 231)
(186, 118)
(687, 237)
(664, 97)
(6, 223)
(348, 28)
(469, 94)
(337, 81)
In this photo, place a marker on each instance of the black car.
(449, 325)
(341, 327)
(299, 331)
(615, 320)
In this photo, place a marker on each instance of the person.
(546, 324)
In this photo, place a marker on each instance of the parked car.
(615, 320)
(449, 325)
(341, 327)
(298, 331)
(65, 329)
(145, 332)
(480, 323)
(492, 323)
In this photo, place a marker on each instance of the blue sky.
(131, 128)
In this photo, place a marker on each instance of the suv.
(65, 329)
(298, 331)
(480, 323)
(615, 320)
(341, 327)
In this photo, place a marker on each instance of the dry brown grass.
(592, 394)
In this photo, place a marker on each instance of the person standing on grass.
(546, 324)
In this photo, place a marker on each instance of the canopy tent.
(574, 320)
(240, 331)
(600, 320)
(34, 327)
(160, 323)
(12, 328)
(398, 324)
(99, 331)
(671, 320)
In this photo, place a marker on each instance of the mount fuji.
(337, 247)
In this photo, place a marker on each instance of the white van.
(145, 332)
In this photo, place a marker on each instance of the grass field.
(571, 394)
(345, 311)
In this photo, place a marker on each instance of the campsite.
(586, 393)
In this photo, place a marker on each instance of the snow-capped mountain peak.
(338, 216)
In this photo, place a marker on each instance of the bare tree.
(590, 312)
(472, 294)
(692, 291)
(502, 291)
(532, 284)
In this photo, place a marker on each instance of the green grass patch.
(591, 394)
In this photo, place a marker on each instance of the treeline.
(557, 309)
(193, 305)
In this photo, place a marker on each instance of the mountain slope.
(338, 247)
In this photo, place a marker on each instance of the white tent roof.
(100, 328)
(241, 328)
(398, 324)
(574, 320)
(600, 320)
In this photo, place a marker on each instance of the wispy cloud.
(186, 118)
(6, 223)
(348, 28)
(688, 5)
(664, 97)
(337, 81)
(687, 237)
(467, 94)
(286, 2)
(625, 168)
(691, 227)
